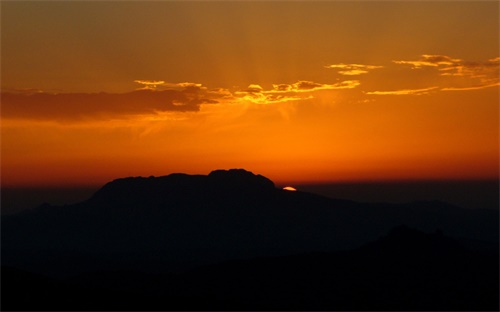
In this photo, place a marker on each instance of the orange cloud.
(263, 98)
(430, 60)
(184, 86)
(255, 93)
(403, 92)
(308, 86)
(289, 92)
(253, 88)
(149, 84)
(353, 69)
(471, 88)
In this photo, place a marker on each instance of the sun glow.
(290, 188)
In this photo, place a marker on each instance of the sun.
(290, 188)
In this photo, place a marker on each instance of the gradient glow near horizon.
(295, 91)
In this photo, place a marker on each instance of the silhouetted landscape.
(231, 240)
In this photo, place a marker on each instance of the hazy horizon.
(471, 194)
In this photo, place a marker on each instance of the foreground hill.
(404, 270)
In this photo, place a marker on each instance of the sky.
(298, 91)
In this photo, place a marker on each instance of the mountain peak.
(239, 178)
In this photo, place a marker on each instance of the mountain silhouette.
(169, 226)
(145, 192)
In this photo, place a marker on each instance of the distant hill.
(177, 222)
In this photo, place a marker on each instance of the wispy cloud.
(253, 88)
(289, 92)
(26, 91)
(430, 60)
(472, 69)
(471, 88)
(256, 94)
(403, 92)
(474, 75)
(149, 84)
(266, 98)
(308, 86)
(352, 69)
(162, 85)
(183, 86)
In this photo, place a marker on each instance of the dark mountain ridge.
(176, 222)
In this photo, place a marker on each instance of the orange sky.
(296, 91)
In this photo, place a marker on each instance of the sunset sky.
(296, 91)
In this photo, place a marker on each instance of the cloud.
(300, 86)
(253, 88)
(289, 92)
(471, 88)
(472, 75)
(255, 93)
(456, 67)
(149, 84)
(403, 92)
(308, 86)
(352, 69)
(472, 69)
(220, 93)
(155, 97)
(266, 98)
(67, 107)
(183, 86)
(162, 85)
(347, 84)
(25, 91)
(430, 60)
(477, 75)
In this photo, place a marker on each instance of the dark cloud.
(82, 106)
(456, 67)
(308, 85)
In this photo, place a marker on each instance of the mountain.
(177, 222)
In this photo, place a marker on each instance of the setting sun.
(290, 188)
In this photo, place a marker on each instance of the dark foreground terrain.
(232, 241)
